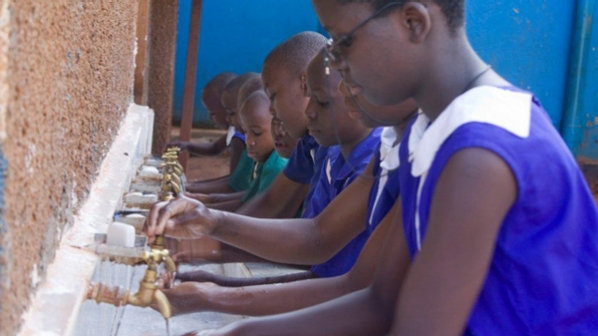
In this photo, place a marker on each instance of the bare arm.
(207, 149)
(220, 185)
(365, 312)
(277, 299)
(236, 149)
(474, 193)
(207, 250)
(293, 241)
(228, 206)
(220, 198)
(281, 200)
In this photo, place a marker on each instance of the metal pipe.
(574, 118)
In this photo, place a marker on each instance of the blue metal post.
(575, 120)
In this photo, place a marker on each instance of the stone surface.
(66, 80)
(69, 274)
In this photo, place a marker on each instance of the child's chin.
(257, 158)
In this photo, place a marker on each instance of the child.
(251, 82)
(283, 143)
(284, 76)
(210, 98)
(477, 252)
(353, 146)
(239, 177)
(330, 124)
(280, 298)
(256, 122)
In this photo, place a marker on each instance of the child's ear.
(304, 85)
(416, 18)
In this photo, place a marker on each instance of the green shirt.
(264, 174)
(240, 178)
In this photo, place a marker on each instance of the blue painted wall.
(530, 42)
(580, 125)
(236, 36)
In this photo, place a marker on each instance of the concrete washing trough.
(128, 181)
(59, 306)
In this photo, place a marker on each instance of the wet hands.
(225, 331)
(186, 298)
(197, 251)
(182, 218)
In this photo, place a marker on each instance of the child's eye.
(346, 41)
(322, 104)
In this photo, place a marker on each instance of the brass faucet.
(148, 291)
(174, 178)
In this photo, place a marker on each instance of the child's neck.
(267, 157)
(348, 146)
(450, 73)
(400, 128)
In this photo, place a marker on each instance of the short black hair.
(295, 53)
(454, 10)
(235, 85)
(258, 97)
(220, 81)
(254, 83)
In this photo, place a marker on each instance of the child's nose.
(338, 64)
(310, 113)
(279, 130)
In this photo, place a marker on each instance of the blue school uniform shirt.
(232, 133)
(305, 164)
(543, 277)
(336, 175)
(385, 189)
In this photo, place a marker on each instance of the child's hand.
(224, 331)
(197, 251)
(182, 218)
(188, 297)
(166, 281)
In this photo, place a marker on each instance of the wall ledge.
(55, 306)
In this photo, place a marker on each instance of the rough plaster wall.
(162, 45)
(70, 80)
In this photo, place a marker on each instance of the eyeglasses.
(333, 49)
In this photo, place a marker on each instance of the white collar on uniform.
(389, 153)
(230, 134)
(506, 109)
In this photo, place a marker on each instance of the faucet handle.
(159, 255)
